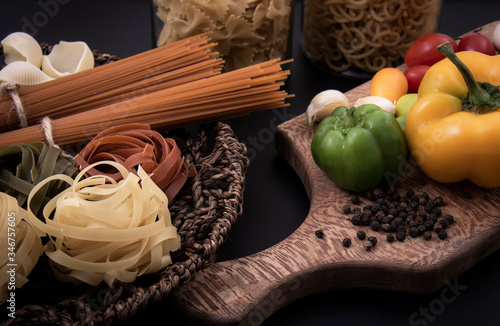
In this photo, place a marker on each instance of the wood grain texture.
(247, 290)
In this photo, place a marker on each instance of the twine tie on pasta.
(11, 90)
(47, 130)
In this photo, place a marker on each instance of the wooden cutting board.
(249, 289)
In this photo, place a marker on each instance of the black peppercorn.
(375, 225)
(380, 215)
(422, 215)
(367, 245)
(421, 229)
(346, 242)
(356, 219)
(365, 220)
(386, 227)
(442, 234)
(449, 218)
(401, 229)
(361, 235)
(444, 223)
(378, 193)
(355, 200)
(373, 240)
(413, 232)
(438, 201)
(390, 237)
(319, 234)
(346, 209)
(400, 237)
(427, 235)
(437, 211)
(429, 225)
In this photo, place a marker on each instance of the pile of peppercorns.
(399, 216)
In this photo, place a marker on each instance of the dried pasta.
(20, 246)
(367, 35)
(246, 32)
(134, 145)
(102, 230)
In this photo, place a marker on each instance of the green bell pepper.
(358, 147)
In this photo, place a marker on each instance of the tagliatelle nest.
(21, 247)
(103, 230)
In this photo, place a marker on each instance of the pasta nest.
(103, 230)
(21, 246)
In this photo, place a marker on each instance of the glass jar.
(356, 38)
(246, 31)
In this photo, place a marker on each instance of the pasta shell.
(20, 46)
(23, 73)
(67, 58)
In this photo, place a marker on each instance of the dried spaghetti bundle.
(175, 64)
(135, 145)
(219, 97)
(102, 230)
(20, 246)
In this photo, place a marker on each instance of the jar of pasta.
(356, 38)
(246, 31)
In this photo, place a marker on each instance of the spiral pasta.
(367, 35)
(103, 230)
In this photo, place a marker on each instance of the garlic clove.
(20, 46)
(67, 58)
(23, 73)
(323, 104)
(382, 102)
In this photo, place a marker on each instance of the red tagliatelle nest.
(132, 145)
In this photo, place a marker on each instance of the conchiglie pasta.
(257, 29)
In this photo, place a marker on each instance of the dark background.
(275, 200)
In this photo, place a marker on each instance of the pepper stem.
(482, 97)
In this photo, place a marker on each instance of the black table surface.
(275, 201)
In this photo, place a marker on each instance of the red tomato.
(424, 50)
(414, 76)
(476, 42)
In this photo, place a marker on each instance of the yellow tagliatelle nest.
(103, 230)
(20, 247)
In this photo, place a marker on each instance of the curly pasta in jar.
(356, 38)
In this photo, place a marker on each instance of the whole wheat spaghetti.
(219, 97)
(174, 64)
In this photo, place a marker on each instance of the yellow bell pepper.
(453, 130)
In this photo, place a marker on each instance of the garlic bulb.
(382, 102)
(323, 104)
(67, 58)
(20, 46)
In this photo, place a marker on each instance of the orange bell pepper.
(453, 130)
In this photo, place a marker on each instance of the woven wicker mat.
(203, 213)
